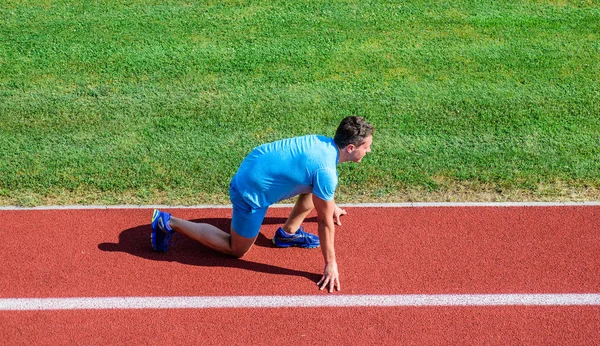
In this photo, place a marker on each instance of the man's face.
(360, 151)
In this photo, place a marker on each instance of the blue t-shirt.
(275, 171)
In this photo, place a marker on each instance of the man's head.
(354, 137)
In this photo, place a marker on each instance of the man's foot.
(161, 232)
(300, 239)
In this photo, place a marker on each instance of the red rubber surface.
(98, 253)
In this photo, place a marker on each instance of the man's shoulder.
(312, 143)
(313, 138)
(320, 141)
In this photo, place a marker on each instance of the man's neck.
(342, 155)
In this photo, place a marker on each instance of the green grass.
(159, 101)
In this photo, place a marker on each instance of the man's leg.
(214, 238)
(304, 205)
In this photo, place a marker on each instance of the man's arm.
(325, 213)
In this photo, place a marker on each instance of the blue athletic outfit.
(279, 170)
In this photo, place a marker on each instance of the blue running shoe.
(299, 239)
(161, 233)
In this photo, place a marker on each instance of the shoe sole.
(155, 215)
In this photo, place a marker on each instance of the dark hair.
(352, 130)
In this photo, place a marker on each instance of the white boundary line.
(416, 300)
(358, 205)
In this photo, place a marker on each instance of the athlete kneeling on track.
(302, 166)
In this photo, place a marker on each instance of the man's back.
(288, 167)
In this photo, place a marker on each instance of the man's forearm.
(327, 236)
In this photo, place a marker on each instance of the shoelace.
(307, 236)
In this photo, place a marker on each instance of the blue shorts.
(245, 220)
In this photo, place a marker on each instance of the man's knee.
(238, 253)
(305, 197)
(305, 200)
(239, 245)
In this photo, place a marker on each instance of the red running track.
(433, 250)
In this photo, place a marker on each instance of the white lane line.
(357, 205)
(416, 300)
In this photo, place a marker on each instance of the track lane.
(482, 250)
(324, 326)
(79, 253)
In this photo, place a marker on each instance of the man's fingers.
(330, 283)
(325, 282)
(334, 284)
(337, 215)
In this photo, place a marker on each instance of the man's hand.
(330, 277)
(337, 213)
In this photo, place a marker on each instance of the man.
(301, 166)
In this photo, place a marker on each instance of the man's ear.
(350, 148)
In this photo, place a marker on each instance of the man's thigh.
(245, 226)
(247, 222)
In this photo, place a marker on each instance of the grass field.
(158, 101)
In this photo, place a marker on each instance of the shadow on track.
(136, 241)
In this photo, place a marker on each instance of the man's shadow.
(136, 241)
